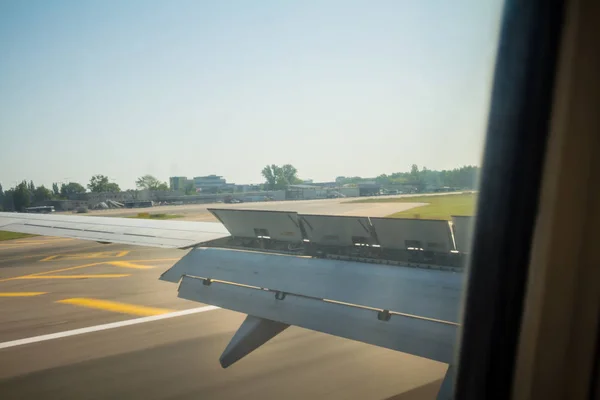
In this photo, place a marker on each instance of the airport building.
(178, 182)
(309, 192)
(369, 188)
(209, 183)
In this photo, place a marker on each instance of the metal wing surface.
(412, 310)
(166, 234)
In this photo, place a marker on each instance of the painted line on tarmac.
(127, 264)
(123, 308)
(39, 274)
(20, 258)
(123, 264)
(24, 242)
(157, 259)
(85, 256)
(21, 294)
(88, 276)
(53, 271)
(104, 327)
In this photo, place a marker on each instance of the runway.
(52, 286)
(199, 212)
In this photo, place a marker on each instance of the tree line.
(279, 177)
(25, 194)
(464, 177)
(276, 178)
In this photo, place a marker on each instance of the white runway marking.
(97, 328)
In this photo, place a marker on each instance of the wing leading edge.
(166, 234)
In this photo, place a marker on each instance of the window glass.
(344, 137)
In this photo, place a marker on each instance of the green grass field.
(12, 235)
(438, 207)
(155, 216)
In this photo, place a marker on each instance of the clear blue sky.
(125, 88)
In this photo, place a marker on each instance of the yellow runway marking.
(37, 256)
(39, 240)
(30, 242)
(65, 269)
(21, 294)
(85, 256)
(116, 307)
(127, 264)
(158, 259)
(48, 272)
(91, 276)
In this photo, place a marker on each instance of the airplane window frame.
(513, 158)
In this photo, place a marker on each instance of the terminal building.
(178, 183)
(212, 184)
(207, 184)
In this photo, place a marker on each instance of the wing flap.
(417, 336)
(426, 293)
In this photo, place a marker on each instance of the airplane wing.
(411, 310)
(166, 234)
(394, 283)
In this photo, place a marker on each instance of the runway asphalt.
(199, 212)
(52, 286)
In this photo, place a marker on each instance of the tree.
(8, 200)
(290, 174)
(416, 178)
(270, 174)
(431, 178)
(21, 196)
(151, 183)
(112, 187)
(31, 189)
(70, 189)
(349, 180)
(280, 177)
(100, 183)
(1, 198)
(55, 189)
(414, 171)
(464, 177)
(41, 193)
(189, 188)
